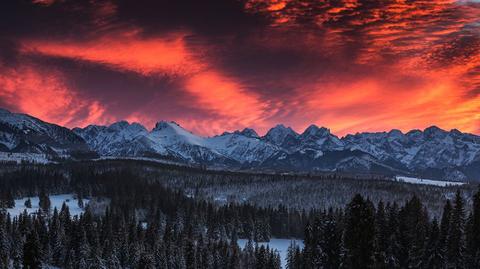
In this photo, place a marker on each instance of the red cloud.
(44, 94)
(123, 50)
(399, 64)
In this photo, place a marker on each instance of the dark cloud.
(66, 18)
(208, 17)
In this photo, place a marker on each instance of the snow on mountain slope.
(170, 138)
(167, 140)
(320, 139)
(417, 150)
(433, 152)
(242, 146)
(284, 137)
(170, 133)
(20, 133)
(118, 139)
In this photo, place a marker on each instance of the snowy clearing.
(440, 183)
(24, 157)
(281, 245)
(56, 201)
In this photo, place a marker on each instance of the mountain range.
(433, 152)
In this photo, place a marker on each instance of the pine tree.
(28, 203)
(331, 242)
(83, 252)
(433, 253)
(473, 234)
(80, 202)
(234, 256)
(359, 233)
(393, 247)
(311, 252)
(44, 202)
(456, 239)
(381, 236)
(4, 245)
(17, 248)
(32, 252)
(445, 231)
(294, 260)
(413, 225)
(9, 200)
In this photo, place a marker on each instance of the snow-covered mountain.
(20, 133)
(433, 152)
(245, 147)
(168, 140)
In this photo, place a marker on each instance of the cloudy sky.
(222, 65)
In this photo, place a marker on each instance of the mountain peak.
(165, 124)
(129, 127)
(248, 132)
(119, 125)
(280, 128)
(434, 131)
(315, 130)
(395, 133)
(277, 134)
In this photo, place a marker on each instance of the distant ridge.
(433, 152)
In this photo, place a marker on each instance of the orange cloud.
(378, 105)
(211, 90)
(123, 50)
(228, 99)
(277, 6)
(44, 94)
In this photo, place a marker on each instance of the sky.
(222, 65)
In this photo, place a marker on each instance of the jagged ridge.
(433, 152)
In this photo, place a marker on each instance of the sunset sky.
(222, 65)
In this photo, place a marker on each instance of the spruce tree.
(359, 233)
(433, 253)
(381, 237)
(28, 203)
(44, 202)
(473, 235)
(32, 258)
(456, 238)
(445, 231)
(4, 244)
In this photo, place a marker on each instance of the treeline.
(389, 236)
(296, 192)
(133, 195)
(111, 241)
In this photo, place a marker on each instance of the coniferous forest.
(151, 216)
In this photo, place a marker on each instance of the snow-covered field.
(440, 183)
(56, 201)
(27, 157)
(281, 245)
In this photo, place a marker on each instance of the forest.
(142, 215)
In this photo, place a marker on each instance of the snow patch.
(24, 157)
(414, 180)
(56, 202)
(281, 245)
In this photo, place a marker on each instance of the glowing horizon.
(351, 66)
